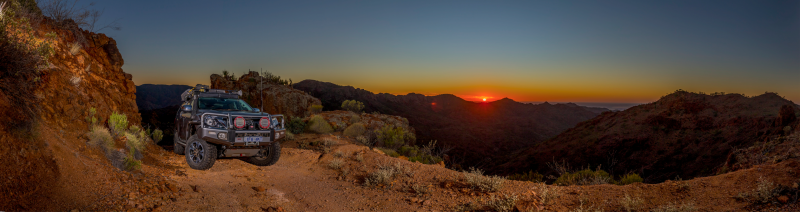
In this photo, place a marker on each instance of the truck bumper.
(234, 138)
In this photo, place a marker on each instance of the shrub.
(296, 125)
(477, 181)
(764, 192)
(381, 176)
(131, 163)
(352, 105)
(317, 124)
(158, 135)
(91, 119)
(393, 137)
(99, 136)
(134, 142)
(355, 130)
(315, 109)
(630, 178)
(530, 176)
(289, 136)
(336, 164)
(355, 118)
(338, 154)
(631, 203)
(584, 177)
(502, 204)
(118, 123)
(547, 193)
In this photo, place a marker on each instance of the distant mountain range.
(682, 134)
(482, 133)
(149, 96)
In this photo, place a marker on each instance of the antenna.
(261, 89)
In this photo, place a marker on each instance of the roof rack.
(199, 88)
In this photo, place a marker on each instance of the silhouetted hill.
(682, 134)
(482, 134)
(149, 96)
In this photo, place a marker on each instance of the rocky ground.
(304, 180)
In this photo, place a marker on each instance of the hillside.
(481, 134)
(149, 96)
(51, 76)
(683, 135)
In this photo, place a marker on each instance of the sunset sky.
(558, 51)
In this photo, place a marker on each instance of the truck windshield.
(209, 103)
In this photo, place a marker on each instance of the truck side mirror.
(256, 110)
(187, 108)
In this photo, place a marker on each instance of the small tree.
(158, 135)
(353, 105)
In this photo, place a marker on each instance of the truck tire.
(267, 156)
(176, 147)
(200, 154)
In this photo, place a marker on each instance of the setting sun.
(484, 99)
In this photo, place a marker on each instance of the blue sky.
(580, 51)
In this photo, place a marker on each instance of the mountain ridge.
(682, 134)
(480, 133)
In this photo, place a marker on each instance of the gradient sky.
(558, 51)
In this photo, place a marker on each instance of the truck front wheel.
(200, 154)
(267, 156)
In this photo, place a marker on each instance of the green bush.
(352, 105)
(134, 142)
(315, 109)
(529, 176)
(355, 130)
(158, 135)
(630, 178)
(393, 137)
(91, 119)
(118, 123)
(584, 177)
(317, 124)
(131, 163)
(296, 125)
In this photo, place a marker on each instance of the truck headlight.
(214, 122)
(222, 136)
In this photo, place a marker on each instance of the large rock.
(275, 98)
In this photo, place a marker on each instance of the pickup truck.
(216, 123)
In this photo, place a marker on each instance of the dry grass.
(547, 193)
(764, 192)
(502, 204)
(336, 164)
(99, 136)
(630, 203)
(360, 157)
(475, 179)
(672, 207)
(338, 154)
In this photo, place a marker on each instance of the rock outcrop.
(83, 71)
(276, 99)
